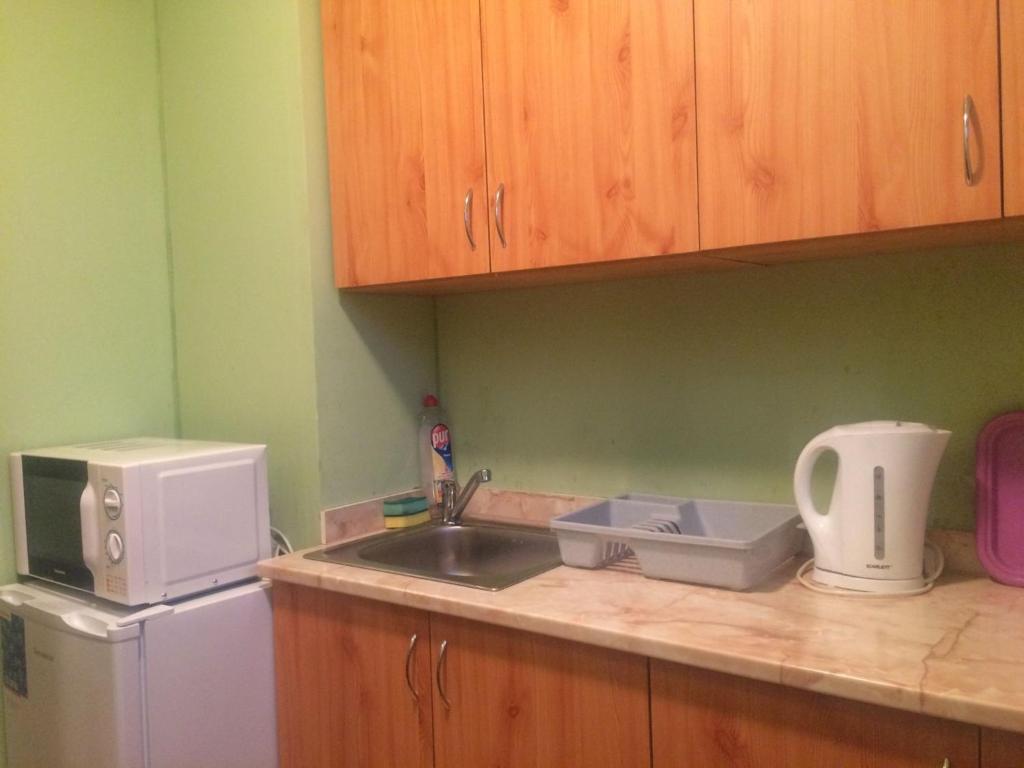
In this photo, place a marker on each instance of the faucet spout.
(454, 503)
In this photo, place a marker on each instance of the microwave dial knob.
(112, 503)
(115, 547)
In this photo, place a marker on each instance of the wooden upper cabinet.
(702, 718)
(1011, 23)
(405, 137)
(520, 700)
(590, 129)
(824, 118)
(345, 676)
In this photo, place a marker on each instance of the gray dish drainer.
(731, 544)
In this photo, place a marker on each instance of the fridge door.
(210, 682)
(72, 683)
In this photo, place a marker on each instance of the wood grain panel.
(590, 127)
(702, 719)
(1011, 48)
(405, 136)
(342, 695)
(827, 118)
(1001, 749)
(524, 701)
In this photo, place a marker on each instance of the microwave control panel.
(112, 577)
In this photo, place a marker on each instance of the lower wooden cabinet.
(366, 684)
(702, 719)
(516, 699)
(344, 690)
(346, 699)
(1000, 749)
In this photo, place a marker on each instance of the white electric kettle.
(872, 538)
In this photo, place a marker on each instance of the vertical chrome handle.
(499, 214)
(440, 677)
(968, 169)
(467, 218)
(408, 667)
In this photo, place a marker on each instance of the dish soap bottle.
(435, 448)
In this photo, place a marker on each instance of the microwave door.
(55, 503)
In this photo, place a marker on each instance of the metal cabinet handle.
(467, 218)
(968, 168)
(499, 214)
(946, 763)
(408, 668)
(440, 677)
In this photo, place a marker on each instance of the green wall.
(710, 384)
(375, 355)
(236, 204)
(85, 321)
(267, 349)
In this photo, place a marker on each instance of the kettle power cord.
(929, 579)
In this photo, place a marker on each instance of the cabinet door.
(1001, 749)
(831, 117)
(1011, 41)
(343, 698)
(701, 718)
(520, 700)
(405, 135)
(590, 129)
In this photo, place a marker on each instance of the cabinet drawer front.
(701, 718)
(402, 86)
(590, 128)
(528, 701)
(830, 117)
(344, 686)
(1001, 749)
(1011, 48)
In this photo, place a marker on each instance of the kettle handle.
(826, 547)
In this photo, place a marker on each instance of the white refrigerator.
(88, 683)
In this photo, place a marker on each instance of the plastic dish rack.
(731, 544)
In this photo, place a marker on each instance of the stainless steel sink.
(484, 556)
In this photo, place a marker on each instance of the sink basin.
(484, 556)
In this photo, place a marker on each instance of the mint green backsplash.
(267, 349)
(85, 321)
(710, 384)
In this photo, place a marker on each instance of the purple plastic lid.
(999, 495)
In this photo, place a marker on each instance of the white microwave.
(142, 520)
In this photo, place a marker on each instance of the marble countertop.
(956, 652)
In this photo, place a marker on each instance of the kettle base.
(862, 584)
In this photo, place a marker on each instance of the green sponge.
(410, 505)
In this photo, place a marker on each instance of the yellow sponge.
(407, 521)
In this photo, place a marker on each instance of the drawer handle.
(946, 763)
(408, 668)
(499, 214)
(467, 218)
(440, 676)
(968, 166)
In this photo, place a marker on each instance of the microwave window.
(53, 523)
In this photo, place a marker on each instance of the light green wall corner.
(375, 355)
(85, 321)
(709, 385)
(267, 349)
(236, 207)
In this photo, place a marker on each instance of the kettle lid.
(889, 428)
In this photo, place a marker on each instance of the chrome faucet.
(453, 503)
